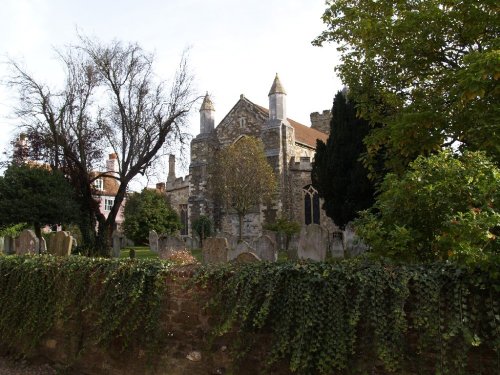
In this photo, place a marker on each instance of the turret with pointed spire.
(206, 115)
(277, 100)
(171, 168)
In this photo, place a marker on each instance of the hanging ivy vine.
(353, 316)
(349, 317)
(112, 301)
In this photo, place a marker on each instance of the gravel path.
(11, 367)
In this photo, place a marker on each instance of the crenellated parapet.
(178, 183)
(321, 121)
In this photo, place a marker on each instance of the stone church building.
(289, 147)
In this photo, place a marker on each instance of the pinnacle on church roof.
(207, 104)
(277, 87)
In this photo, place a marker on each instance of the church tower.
(207, 115)
(277, 101)
(278, 139)
(202, 151)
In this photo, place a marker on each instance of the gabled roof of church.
(303, 133)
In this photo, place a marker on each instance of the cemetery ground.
(144, 252)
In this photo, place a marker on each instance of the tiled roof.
(303, 133)
(306, 135)
(110, 185)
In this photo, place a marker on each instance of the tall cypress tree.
(338, 175)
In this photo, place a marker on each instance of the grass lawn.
(143, 252)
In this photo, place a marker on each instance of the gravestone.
(247, 257)
(153, 241)
(232, 241)
(117, 244)
(1, 245)
(191, 243)
(27, 243)
(293, 247)
(215, 250)
(266, 248)
(75, 245)
(8, 245)
(337, 245)
(168, 245)
(313, 243)
(352, 244)
(242, 247)
(43, 246)
(60, 244)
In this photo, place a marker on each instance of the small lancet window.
(311, 205)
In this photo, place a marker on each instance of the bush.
(148, 211)
(444, 207)
(203, 227)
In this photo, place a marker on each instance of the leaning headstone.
(60, 244)
(266, 248)
(168, 245)
(247, 257)
(337, 245)
(215, 250)
(153, 241)
(242, 247)
(28, 243)
(313, 243)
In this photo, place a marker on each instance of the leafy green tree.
(242, 178)
(427, 70)
(146, 211)
(338, 174)
(444, 206)
(36, 195)
(284, 227)
(203, 227)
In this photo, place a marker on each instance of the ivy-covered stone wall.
(356, 316)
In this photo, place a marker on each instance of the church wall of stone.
(202, 154)
(302, 151)
(252, 224)
(242, 120)
(300, 177)
(178, 193)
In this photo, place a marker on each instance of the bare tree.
(242, 178)
(135, 117)
(60, 130)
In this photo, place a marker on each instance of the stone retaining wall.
(186, 333)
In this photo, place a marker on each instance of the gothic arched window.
(311, 205)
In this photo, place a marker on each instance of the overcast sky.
(236, 47)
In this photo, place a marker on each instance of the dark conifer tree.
(338, 174)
